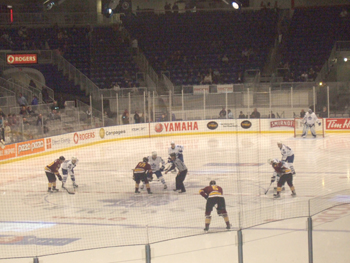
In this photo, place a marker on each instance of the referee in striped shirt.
(181, 175)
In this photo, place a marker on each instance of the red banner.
(21, 59)
(338, 124)
(30, 147)
(8, 152)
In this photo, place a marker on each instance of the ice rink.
(105, 212)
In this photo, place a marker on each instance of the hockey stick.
(69, 192)
(268, 188)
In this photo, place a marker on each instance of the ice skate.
(75, 185)
(55, 190)
(137, 192)
(165, 187)
(293, 194)
(276, 195)
(206, 229)
(228, 227)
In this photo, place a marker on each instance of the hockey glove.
(162, 168)
(319, 124)
(273, 178)
(59, 177)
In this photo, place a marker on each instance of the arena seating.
(204, 38)
(311, 37)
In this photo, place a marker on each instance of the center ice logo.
(138, 201)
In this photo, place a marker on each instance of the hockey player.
(309, 120)
(141, 171)
(287, 155)
(284, 173)
(157, 165)
(181, 175)
(68, 169)
(178, 150)
(52, 170)
(214, 196)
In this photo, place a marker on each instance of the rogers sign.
(83, 136)
(22, 59)
(176, 126)
(338, 124)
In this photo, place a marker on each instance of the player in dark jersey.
(141, 172)
(284, 173)
(214, 196)
(52, 170)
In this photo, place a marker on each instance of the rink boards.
(72, 140)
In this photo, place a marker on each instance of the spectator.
(35, 100)
(241, 115)
(134, 46)
(2, 114)
(255, 114)
(229, 114)
(116, 87)
(23, 111)
(175, 8)
(22, 101)
(45, 94)
(272, 115)
(39, 120)
(224, 59)
(25, 121)
(30, 111)
(304, 77)
(137, 118)
(167, 8)
(163, 117)
(216, 76)
(324, 113)
(343, 13)
(125, 117)
(54, 115)
(55, 106)
(302, 113)
(207, 79)
(222, 113)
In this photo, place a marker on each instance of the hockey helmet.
(62, 158)
(212, 182)
(173, 155)
(74, 160)
(145, 159)
(310, 111)
(154, 154)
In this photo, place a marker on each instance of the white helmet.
(154, 154)
(310, 111)
(271, 161)
(172, 143)
(74, 160)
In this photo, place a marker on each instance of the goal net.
(299, 126)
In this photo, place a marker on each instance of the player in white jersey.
(309, 120)
(157, 164)
(287, 155)
(68, 169)
(178, 150)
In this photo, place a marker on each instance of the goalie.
(282, 174)
(309, 121)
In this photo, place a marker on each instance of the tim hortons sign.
(21, 59)
(338, 124)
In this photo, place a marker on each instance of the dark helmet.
(212, 182)
(62, 158)
(145, 159)
(173, 154)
